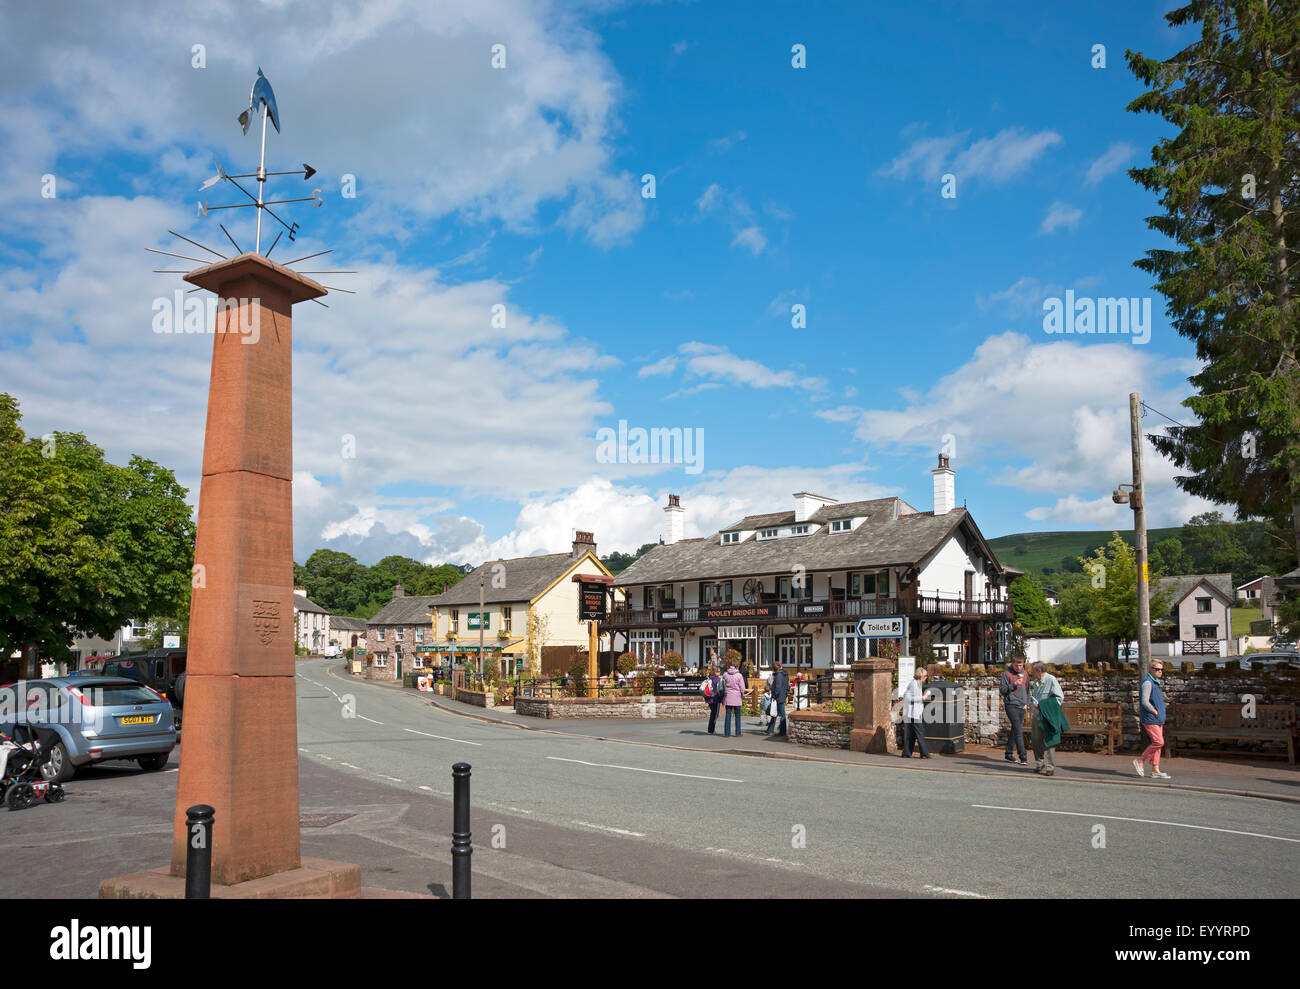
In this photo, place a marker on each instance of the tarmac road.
(582, 817)
(900, 831)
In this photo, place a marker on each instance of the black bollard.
(198, 852)
(461, 848)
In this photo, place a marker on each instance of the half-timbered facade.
(793, 585)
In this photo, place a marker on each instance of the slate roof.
(344, 623)
(827, 513)
(882, 540)
(413, 610)
(301, 602)
(1183, 585)
(525, 578)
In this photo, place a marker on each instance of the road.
(563, 814)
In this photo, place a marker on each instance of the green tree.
(1030, 603)
(1112, 577)
(1227, 188)
(85, 545)
(618, 562)
(1169, 557)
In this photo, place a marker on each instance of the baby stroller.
(21, 784)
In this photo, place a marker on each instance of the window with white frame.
(419, 633)
(841, 525)
(505, 618)
(718, 592)
(644, 644)
(730, 537)
(787, 588)
(379, 634)
(455, 620)
(381, 659)
(767, 533)
(847, 648)
(708, 647)
(799, 530)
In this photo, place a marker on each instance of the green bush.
(626, 663)
(732, 658)
(673, 662)
(577, 686)
(842, 707)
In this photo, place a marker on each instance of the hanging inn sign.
(593, 592)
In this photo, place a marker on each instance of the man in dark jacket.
(1015, 698)
(780, 690)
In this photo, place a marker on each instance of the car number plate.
(138, 719)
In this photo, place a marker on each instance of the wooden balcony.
(773, 612)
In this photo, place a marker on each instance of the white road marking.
(603, 827)
(392, 778)
(301, 749)
(517, 810)
(1139, 820)
(746, 855)
(443, 737)
(371, 720)
(954, 892)
(176, 770)
(657, 772)
(327, 758)
(349, 765)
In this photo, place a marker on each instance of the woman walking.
(1151, 714)
(1049, 720)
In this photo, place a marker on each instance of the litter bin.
(945, 718)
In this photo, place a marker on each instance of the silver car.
(96, 719)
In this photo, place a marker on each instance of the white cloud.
(665, 365)
(999, 158)
(1023, 298)
(709, 198)
(722, 145)
(751, 238)
(719, 363)
(1114, 159)
(1059, 215)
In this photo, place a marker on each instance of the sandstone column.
(873, 730)
(239, 748)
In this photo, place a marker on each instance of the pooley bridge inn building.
(792, 585)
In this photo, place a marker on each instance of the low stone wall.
(478, 698)
(987, 724)
(824, 728)
(647, 706)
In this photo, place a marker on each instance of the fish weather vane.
(261, 98)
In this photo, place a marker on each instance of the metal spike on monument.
(261, 99)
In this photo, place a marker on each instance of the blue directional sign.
(880, 628)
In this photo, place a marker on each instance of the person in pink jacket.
(735, 684)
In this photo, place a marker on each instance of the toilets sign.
(880, 628)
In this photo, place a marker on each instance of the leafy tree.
(1071, 564)
(85, 545)
(1030, 603)
(1112, 573)
(1228, 192)
(1169, 557)
(618, 562)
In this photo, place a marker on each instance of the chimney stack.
(674, 520)
(398, 591)
(945, 488)
(583, 542)
(807, 504)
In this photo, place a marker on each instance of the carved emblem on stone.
(266, 619)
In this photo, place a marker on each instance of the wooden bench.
(1227, 722)
(1092, 719)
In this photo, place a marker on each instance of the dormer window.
(730, 537)
(799, 530)
(841, 525)
(767, 533)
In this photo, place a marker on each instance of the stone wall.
(478, 698)
(647, 706)
(986, 722)
(824, 728)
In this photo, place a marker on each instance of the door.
(970, 585)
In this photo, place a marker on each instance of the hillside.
(1038, 550)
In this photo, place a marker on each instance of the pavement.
(1235, 776)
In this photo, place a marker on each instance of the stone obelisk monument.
(240, 742)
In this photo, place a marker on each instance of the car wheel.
(178, 690)
(153, 763)
(58, 768)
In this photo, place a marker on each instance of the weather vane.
(261, 97)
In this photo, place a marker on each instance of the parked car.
(1270, 661)
(161, 669)
(97, 719)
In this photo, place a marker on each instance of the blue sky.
(522, 187)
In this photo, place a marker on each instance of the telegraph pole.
(1137, 502)
(482, 577)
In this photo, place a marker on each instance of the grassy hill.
(1037, 550)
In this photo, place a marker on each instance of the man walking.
(914, 699)
(780, 690)
(1015, 698)
(1151, 714)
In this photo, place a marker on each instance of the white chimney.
(945, 488)
(807, 504)
(674, 520)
